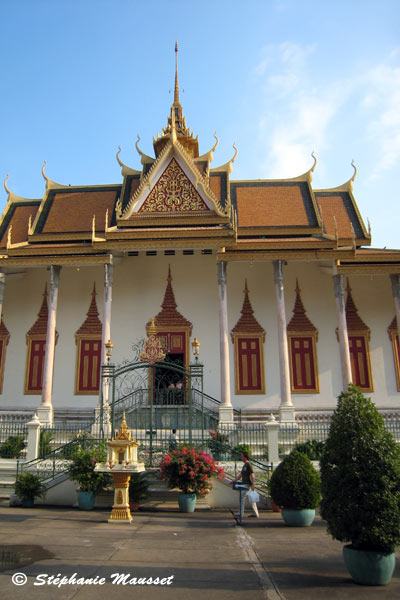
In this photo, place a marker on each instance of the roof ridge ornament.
(307, 176)
(228, 165)
(50, 184)
(144, 158)
(345, 187)
(125, 170)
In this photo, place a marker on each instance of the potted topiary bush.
(360, 472)
(138, 488)
(28, 486)
(296, 487)
(82, 470)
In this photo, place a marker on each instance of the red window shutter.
(303, 364)
(89, 366)
(359, 361)
(36, 364)
(249, 364)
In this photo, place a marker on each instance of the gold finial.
(176, 90)
(121, 164)
(5, 184)
(355, 170)
(152, 327)
(123, 432)
(315, 162)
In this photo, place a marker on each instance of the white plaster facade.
(138, 289)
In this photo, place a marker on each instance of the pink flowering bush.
(190, 470)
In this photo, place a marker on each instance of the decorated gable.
(173, 192)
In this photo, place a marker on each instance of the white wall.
(138, 291)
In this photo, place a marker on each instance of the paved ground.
(195, 556)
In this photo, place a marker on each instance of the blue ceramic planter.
(86, 500)
(298, 518)
(187, 502)
(368, 567)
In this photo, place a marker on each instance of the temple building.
(276, 279)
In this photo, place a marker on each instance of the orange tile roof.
(271, 206)
(331, 209)
(215, 185)
(19, 221)
(73, 211)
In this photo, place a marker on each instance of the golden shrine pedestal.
(121, 462)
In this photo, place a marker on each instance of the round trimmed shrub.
(295, 483)
(360, 473)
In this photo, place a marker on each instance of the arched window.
(359, 336)
(36, 343)
(4, 339)
(394, 338)
(302, 340)
(248, 338)
(88, 357)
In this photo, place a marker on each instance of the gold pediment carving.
(173, 192)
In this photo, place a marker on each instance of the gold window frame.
(313, 337)
(248, 336)
(366, 336)
(5, 339)
(78, 341)
(393, 335)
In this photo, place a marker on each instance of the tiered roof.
(176, 200)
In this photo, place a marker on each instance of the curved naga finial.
(5, 184)
(355, 170)
(43, 173)
(228, 166)
(315, 162)
(209, 155)
(121, 164)
(144, 158)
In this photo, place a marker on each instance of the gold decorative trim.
(295, 230)
(73, 261)
(393, 335)
(263, 256)
(5, 338)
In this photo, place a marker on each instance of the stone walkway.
(172, 555)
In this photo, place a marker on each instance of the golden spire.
(176, 91)
(176, 128)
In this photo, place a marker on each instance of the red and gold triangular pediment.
(173, 192)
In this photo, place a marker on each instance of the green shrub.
(242, 448)
(28, 486)
(12, 447)
(46, 437)
(138, 487)
(295, 483)
(360, 472)
(311, 448)
(82, 468)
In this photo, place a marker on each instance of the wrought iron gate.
(158, 398)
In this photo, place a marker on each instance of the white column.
(32, 449)
(106, 332)
(272, 427)
(342, 328)
(45, 410)
(226, 410)
(2, 285)
(395, 279)
(286, 409)
(105, 336)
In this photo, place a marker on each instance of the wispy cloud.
(381, 106)
(302, 112)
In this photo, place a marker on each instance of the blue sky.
(281, 78)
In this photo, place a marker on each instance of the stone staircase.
(8, 473)
(161, 497)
